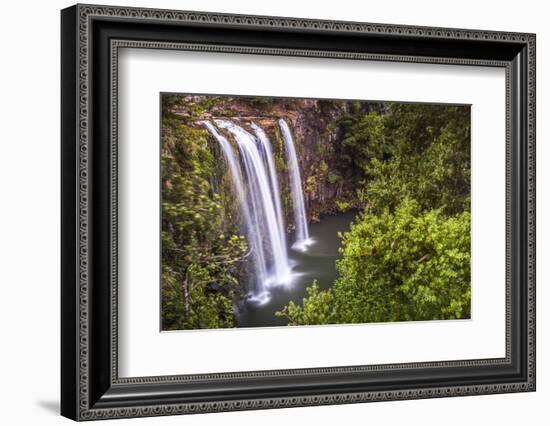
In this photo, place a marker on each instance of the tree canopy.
(405, 265)
(199, 260)
(404, 166)
(407, 255)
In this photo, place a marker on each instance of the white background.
(29, 225)
(146, 352)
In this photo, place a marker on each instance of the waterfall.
(258, 195)
(250, 220)
(256, 186)
(302, 239)
(267, 153)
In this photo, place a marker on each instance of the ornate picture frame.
(91, 37)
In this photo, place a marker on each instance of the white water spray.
(267, 152)
(254, 238)
(256, 187)
(265, 222)
(302, 240)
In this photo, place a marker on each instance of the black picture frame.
(90, 386)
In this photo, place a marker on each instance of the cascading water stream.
(265, 146)
(302, 240)
(250, 221)
(256, 187)
(263, 211)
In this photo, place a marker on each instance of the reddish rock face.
(317, 136)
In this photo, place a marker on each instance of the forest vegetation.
(405, 169)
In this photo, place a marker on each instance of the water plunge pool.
(317, 263)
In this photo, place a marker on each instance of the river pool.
(317, 263)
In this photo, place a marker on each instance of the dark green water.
(318, 263)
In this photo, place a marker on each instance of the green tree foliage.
(363, 138)
(407, 256)
(200, 262)
(423, 153)
(406, 166)
(406, 265)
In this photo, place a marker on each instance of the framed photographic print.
(263, 212)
